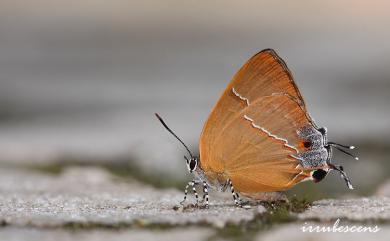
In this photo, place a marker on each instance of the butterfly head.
(328, 144)
(320, 174)
(192, 163)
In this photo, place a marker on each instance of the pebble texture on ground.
(90, 204)
(89, 196)
(294, 233)
(361, 209)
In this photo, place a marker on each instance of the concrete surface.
(89, 197)
(33, 234)
(294, 233)
(359, 209)
(86, 203)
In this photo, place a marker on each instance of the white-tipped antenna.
(338, 147)
(166, 127)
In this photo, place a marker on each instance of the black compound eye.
(322, 130)
(192, 164)
(318, 175)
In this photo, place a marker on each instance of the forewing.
(265, 74)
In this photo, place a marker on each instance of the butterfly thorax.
(316, 151)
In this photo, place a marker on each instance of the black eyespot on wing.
(307, 144)
(318, 175)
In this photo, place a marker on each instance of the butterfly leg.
(340, 169)
(205, 194)
(192, 183)
(236, 198)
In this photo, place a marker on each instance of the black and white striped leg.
(239, 199)
(205, 194)
(185, 193)
(196, 194)
(192, 183)
(237, 202)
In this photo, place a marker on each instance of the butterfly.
(260, 137)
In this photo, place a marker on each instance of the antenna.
(166, 127)
(344, 146)
(338, 147)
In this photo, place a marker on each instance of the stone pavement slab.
(358, 209)
(91, 197)
(293, 232)
(86, 203)
(33, 234)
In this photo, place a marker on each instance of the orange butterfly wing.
(258, 149)
(250, 136)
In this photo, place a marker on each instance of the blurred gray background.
(80, 80)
